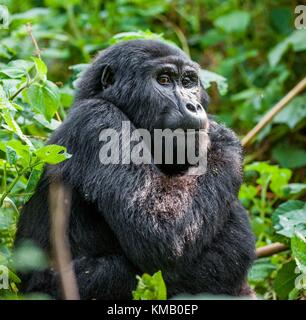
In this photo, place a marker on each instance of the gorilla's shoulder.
(222, 137)
(95, 109)
(87, 118)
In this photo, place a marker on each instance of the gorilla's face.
(175, 94)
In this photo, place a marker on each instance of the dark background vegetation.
(256, 56)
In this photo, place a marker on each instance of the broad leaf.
(290, 217)
(52, 154)
(293, 113)
(261, 270)
(150, 287)
(284, 281)
(234, 22)
(12, 125)
(44, 98)
(298, 246)
(289, 155)
(208, 77)
(297, 40)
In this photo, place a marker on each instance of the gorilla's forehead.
(179, 62)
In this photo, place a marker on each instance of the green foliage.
(24, 93)
(150, 287)
(234, 22)
(290, 217)
(284, 281)
(254, 56)
(277, 276)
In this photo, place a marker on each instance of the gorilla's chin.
(176, 157)
(174, 169)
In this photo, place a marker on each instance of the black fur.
(130, 219)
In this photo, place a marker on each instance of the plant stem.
(30, 32)
(16, 179)
(10, 187)
(4, 177)
(274, 111)
(263, 197)
(26, 85)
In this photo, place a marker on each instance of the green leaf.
(294, 188)
(212, 37)
(44, 98)
(22, 152)
(12, 125)
(290, 217)
(234, 22)
(13, 277)
(52, 154)
(297, 40)
(259, 226)
(7, 218)
(278, 177)
(41, 69)
(298, 247)
(289, 155)
(150, 287)
(13, 72)
(247, 192)
(52, 125)
(208, 77)
(293, 113)
(10, 86)
(281, 19)
(125, 36)
(31, 14)
(294, 294)
(11, 155)
(284, 281)
(17, 69)
(32, 182)
(261, 270)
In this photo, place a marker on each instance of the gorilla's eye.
(189, 81)
(163, 79)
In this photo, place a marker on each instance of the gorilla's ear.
(107, 76)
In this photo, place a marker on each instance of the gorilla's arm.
(110, 276)
(148, 239)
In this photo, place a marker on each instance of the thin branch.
(11, 186)
(58, 117)
(274, 111)
(60, 200)
(26, 85)
(270, 249)
(30, 32)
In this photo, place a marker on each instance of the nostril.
(199, 107)
(191, 107)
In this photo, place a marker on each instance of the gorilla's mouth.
(176, 154)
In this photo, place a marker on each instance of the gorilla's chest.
(167, 196)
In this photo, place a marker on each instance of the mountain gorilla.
(128, 219)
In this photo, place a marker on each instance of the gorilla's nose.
(195, 116)
(194, 108)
